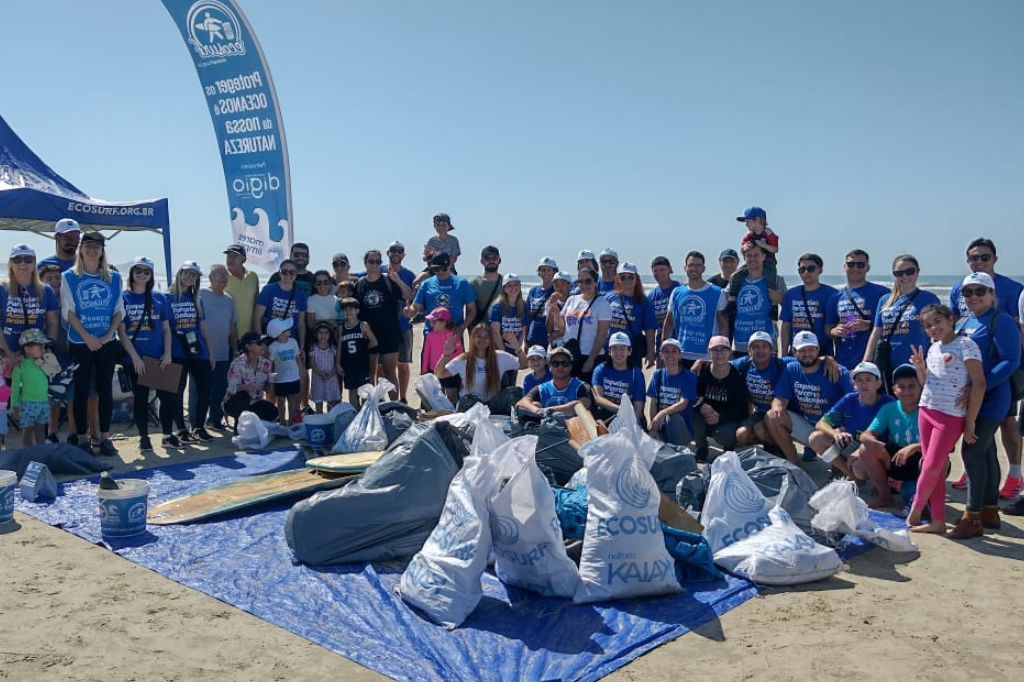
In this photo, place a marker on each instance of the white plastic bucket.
(8, 482)
(123, 511)
(319, 430)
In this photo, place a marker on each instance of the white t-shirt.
(284, 356)
(947, 374)
(506, 362)
(574, 311)
(322, 307)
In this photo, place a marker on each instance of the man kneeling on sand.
(891, 445)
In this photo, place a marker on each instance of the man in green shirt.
(243, 287)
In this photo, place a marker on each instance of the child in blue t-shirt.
(537, 361)
(837, 434)
(616, 378)
(672, 391)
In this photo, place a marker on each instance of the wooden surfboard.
(243, 493)
(348, 463)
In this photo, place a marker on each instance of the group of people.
(880, 381)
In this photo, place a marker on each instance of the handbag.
(121, 385)
(883, 351)
(573, 345)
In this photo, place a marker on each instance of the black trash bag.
(555, 456)
(671, 463)
(397, 418)
(692, 488)
(59, 458)
(389, 512)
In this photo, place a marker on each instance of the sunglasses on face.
(372, 261)
(981, 257)
(856, 264)
(807, 268)
(324, 283)
(974, 291)
(560, 363)
(143, 271)
(19, 260)
(627, 277)
(909, 272)
(340, 263)
(397, 252)
(289, 273)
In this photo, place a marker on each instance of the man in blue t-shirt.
(803, 396)
(67, 234)
(661, 270)
(446, 290)
(695, 312)
(803, 307)
(762, 372)
(396, 254)
(850, 312)
(561, 394)
(754, 301)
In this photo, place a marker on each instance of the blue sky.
(545, 127)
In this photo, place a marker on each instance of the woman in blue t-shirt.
(672, 391)
(25, 302)
(146, 333)
(618, 377)
(190, 348)
(90, 301)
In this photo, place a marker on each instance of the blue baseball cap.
(753, 212)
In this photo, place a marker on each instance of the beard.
(491, 267)
(808, 363)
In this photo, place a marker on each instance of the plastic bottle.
(107, 483)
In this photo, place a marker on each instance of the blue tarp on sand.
(355, 611)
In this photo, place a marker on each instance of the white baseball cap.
(609, 251)
(547, 262)
(982, 278)
(869, 367)
(143, 262)
(673, 343)
(190, 265)
(760, 336)
(619, 339)
(396, 243)
(22, 250)
(564, 276)
(278, 325)
(512, 277)
(537, 351)
(626, 266)
(65, 225)
(586, 254)
(805, 339)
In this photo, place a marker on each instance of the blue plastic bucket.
(123, 511)
(319, 430)
(8, 482)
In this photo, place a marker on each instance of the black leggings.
(168, 404)
(202, 375)
(98, 365)
(982, 466)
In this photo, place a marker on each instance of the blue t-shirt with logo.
(21, 308)
(762, 383)
(408, 277)
(453, 293)
(95, 301)
(629, 317)
(281, 304)
(853, 416)
(536, 313)
(846, 305)
(615, 383)
(660, 299)
(509, 321)
(695, 318)
(807, 315)
(910, 331)
(753, 312)
(812, 395)
(145, 331)
(186, 319)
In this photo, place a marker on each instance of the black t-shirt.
(378, 306)
(728, 396)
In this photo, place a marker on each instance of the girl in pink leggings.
(954, 386)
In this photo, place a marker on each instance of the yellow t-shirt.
(244, 291)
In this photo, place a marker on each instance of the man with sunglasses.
(444, 289)
(982, 258)
(299, 255)
(609, 264)
(396, 254)
(487, 286)
(850, 312)
(66, 234)
(562, 393)
(803, 307)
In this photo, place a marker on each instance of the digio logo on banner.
(213, 30)
(255, 186)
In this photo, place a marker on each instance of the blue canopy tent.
(33, 197)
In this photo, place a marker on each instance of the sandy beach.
(70, 610)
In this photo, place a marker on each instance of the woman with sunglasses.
(998, 338)
(585, 319)
(25, 302)
(898, 320)
(380, 296)
(145, 332)
(476, 373)
(283, 299)
(90, 301)
(190, 348)
(248, 379)
(633, 314)
(321, 306)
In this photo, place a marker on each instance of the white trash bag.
(734, 507)
(625, 422)
(252, 433)
(624, 551)
(366, 432)
(443, 579)
(780, 554)
(487, 436)
(527, 539)
(840, 510)
(428, 388)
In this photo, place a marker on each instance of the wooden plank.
(587, 420)
(352, 462)
(241, 494)
(675, 516)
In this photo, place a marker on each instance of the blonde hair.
(177, 290)
(36, 283)
(493, 377)
(896, 292)
(507, 305)
(104, 269)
